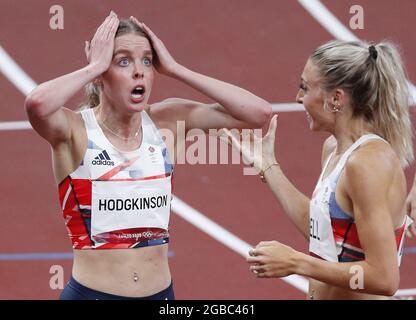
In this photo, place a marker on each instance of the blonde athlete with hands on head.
(355, 220)
(112, 165)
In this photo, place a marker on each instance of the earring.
(336, 108)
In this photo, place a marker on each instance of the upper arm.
(367, 180)
(55, 127)
(196, 115)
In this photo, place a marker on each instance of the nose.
(299, 97)
(138, 72)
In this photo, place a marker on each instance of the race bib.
(124, 205)
(321, 237)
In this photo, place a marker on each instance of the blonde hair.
(375, 79)
(92, 90)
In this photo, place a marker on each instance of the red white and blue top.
(115, 199)
(333, 232)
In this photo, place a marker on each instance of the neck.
(124, 126)
(350, 131)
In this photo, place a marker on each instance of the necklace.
(117, 135)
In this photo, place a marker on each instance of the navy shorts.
(76, 291)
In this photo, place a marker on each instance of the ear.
(98, 82)
(338, 97)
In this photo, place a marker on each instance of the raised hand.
(271, 259)
(163, 62)
(100, 50)
(262, 157)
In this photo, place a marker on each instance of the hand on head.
(163, 62)
(100, 50)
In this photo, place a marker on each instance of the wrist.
(95, 69)
(266, 167)
(300, 263)
(177, 71)
(267, 162)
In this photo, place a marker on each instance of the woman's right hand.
(100, 50)
(260, 151)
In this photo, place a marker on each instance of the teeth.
(136, 95)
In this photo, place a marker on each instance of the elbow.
(388, 285)
(390, 288)
(33, 104)
(264, 112)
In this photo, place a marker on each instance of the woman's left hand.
(272, 259)
(163, 62)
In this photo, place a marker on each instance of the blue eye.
(124, 62)
(147, 62)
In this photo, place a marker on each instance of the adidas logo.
(103, 159)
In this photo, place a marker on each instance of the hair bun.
(373, 52)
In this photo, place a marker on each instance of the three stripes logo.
(103, 159)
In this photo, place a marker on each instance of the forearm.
(240, 103)
(359, 276)
(49, 96)
(294, 203)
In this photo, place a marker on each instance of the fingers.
(148, 31)
(113, 28)
(109, 30)
(267, 244)
(260, 271)
(134, 20)
(87, 48)
(103, 29)
(234, 141)
(272, 126)
(254, 260)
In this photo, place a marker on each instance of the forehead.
(131, 42)
(310, 72)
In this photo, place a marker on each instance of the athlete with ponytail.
(356, 219)
(111, 163)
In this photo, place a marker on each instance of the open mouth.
(138, 93)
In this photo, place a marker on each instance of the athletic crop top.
(118, 200)
(333, 232)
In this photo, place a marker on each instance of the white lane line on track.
(15, 74)
(325, 17)
(225, 237)
(406, 292)
(24, 125)
(15, 125)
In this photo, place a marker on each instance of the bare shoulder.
(376, 161)
(329, 146)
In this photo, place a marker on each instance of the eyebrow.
(301, 78)
(119, 51)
